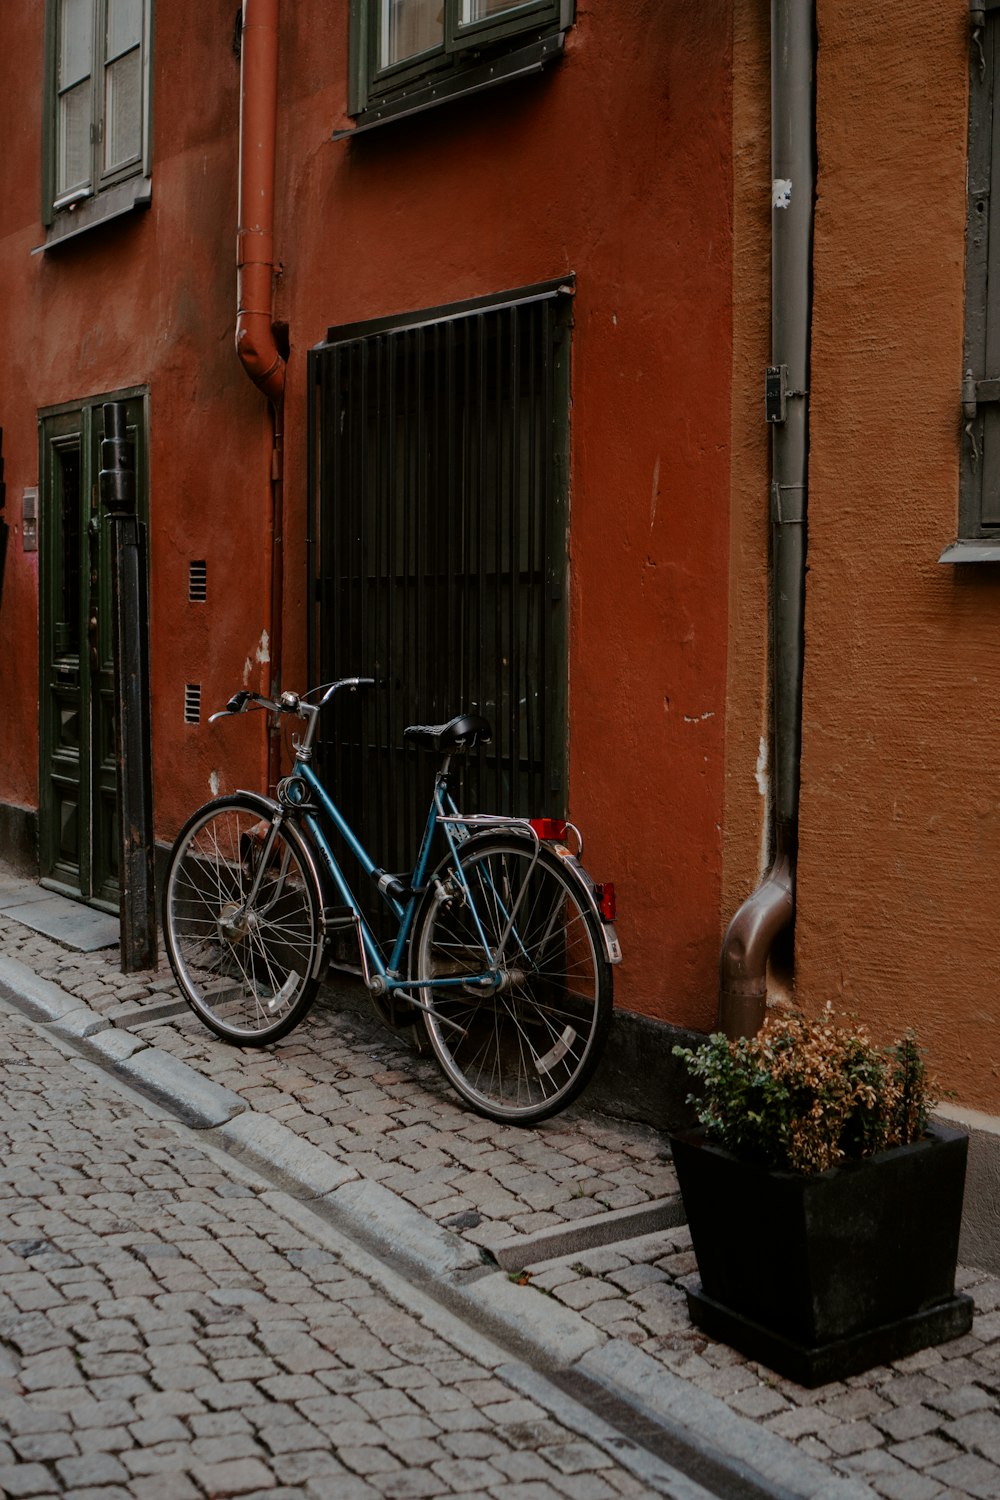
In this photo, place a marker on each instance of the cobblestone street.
(167, 1331)
(564, 1243)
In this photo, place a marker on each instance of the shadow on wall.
(19, 840)
(639, 1078)
(980, 1242)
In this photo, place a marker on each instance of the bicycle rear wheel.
(524, 1048)
(248, 971)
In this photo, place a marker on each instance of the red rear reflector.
(549, 828)
(605, 894)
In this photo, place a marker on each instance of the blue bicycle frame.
(443, 812)
(304, 791)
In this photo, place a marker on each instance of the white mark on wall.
(247, 669)
(781, 192)
(763, 777)
(263, 651)
(699, 718)
(213, 783)
(656, 492)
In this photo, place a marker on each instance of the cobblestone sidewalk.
(925, 1428)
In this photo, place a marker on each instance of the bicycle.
(504, 949)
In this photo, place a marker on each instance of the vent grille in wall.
(192, 703)
(198, 582)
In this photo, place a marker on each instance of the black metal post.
(136, 874)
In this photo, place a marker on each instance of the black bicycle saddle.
(461, 733)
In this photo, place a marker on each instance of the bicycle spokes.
(529, 1034)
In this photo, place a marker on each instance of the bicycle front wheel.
(522, 1045)
(247, 968)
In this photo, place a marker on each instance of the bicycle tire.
(250, 977)
(526, 1050)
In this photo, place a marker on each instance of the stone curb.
(301, 1167)
(113, 1046)
(556, 1336)
(40, 998)
(80, 1024)
(574, 1238)
(713, 1426)
(662, 1477)
(195, 1099)
(391, 1224)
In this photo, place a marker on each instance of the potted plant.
(824, 1205)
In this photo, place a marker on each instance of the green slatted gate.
(439, 557)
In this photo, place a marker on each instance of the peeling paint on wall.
(263, 650)
(213, 783)
(763, 778)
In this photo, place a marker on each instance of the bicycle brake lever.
(236, 705)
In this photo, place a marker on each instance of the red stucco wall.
(615, 165)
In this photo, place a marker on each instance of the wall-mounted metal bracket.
(777, 393)
(788, 504)
(976, 393)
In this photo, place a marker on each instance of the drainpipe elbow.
(259, 355)
(747, 944)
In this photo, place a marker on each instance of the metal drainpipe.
(771, 907)
(255, 268)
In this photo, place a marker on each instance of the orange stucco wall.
(900, 811)
(615, 165)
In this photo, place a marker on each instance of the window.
(979, 482)
(410, 54)
(97, 117)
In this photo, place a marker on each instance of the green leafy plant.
(806, 1093)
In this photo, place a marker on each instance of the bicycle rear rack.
(484, 821)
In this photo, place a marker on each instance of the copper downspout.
(255, 270)
(771, 907)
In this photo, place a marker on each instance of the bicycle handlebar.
(288, 703)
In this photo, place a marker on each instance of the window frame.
(107, 192)
(472, 56)
(978, 540)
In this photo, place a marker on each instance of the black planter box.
(822, 1277)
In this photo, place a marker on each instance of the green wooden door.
(78, 809)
